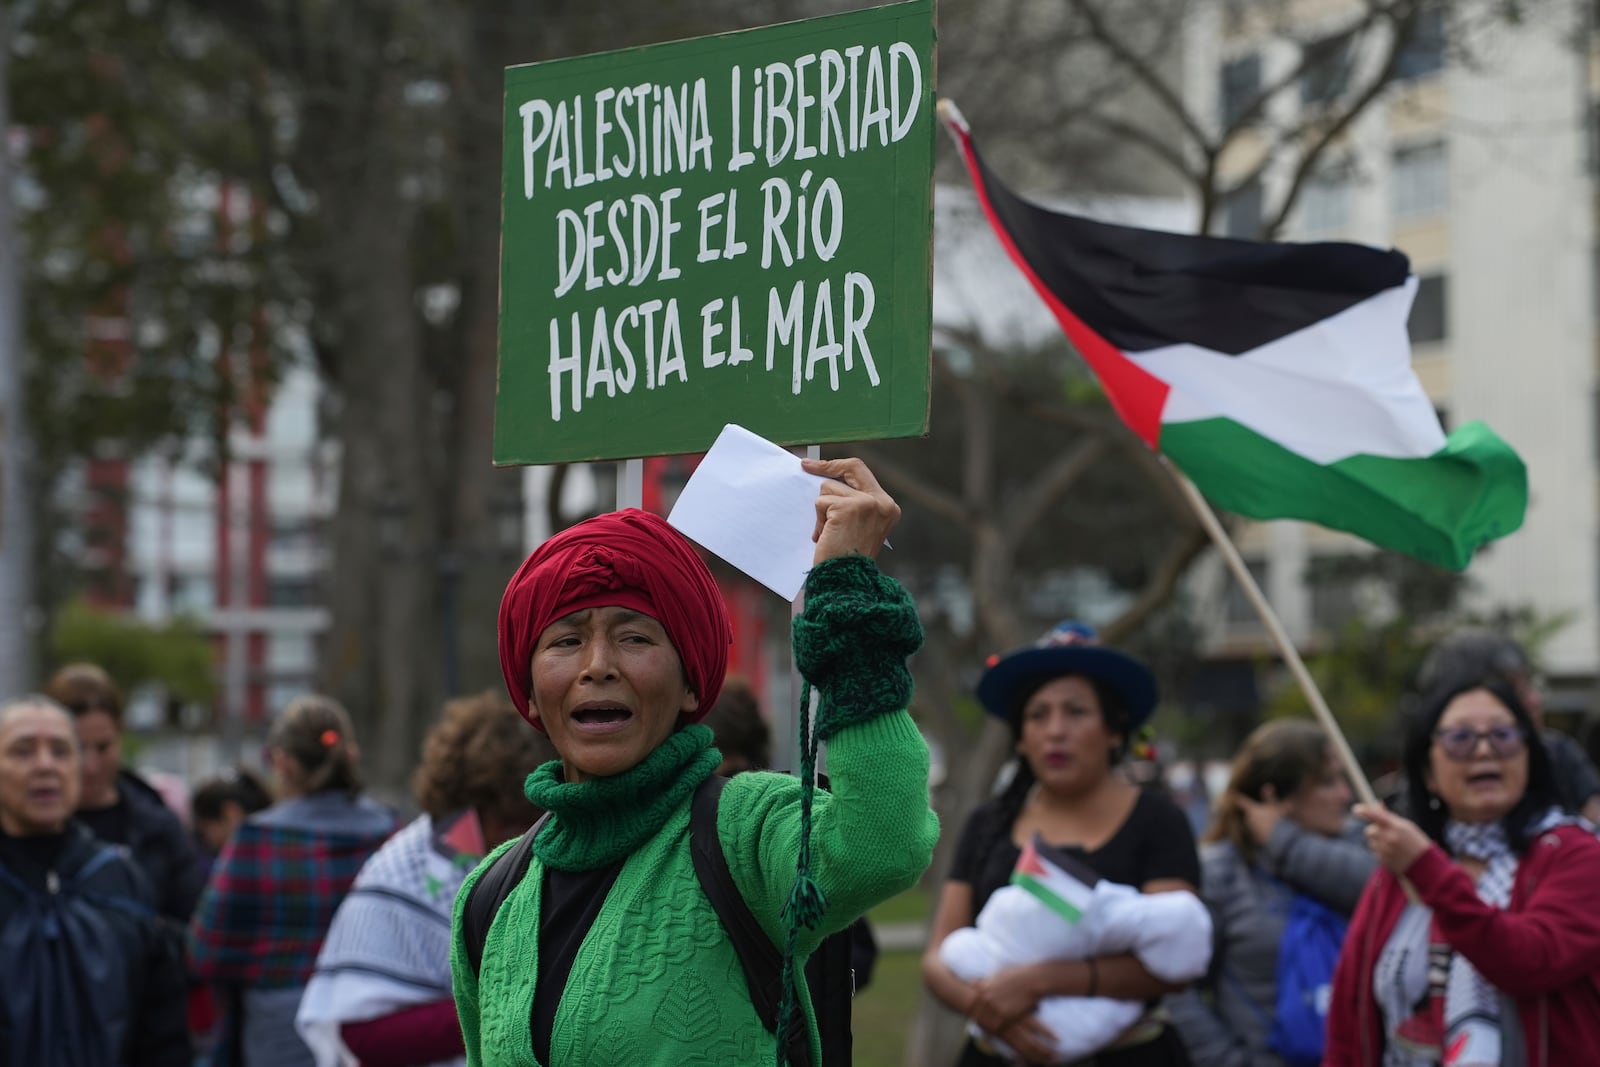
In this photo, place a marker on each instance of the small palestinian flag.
(1060, 883)
(1276, 376)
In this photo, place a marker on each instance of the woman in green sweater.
(613, 640)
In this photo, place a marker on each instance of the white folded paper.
(752, 504)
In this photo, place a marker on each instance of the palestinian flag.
(1276, 376)
(1055, 879)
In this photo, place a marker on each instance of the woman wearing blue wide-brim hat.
(1073, 706)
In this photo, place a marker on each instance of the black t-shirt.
(1154, 842)
(569, 903)
(113, 825)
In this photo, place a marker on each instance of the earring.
(1433, 801)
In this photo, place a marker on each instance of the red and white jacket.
(1543, 951)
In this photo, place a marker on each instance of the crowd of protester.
(541, 907)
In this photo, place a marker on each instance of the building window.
(1327, 70)
(1335, 598)
(1428, 320)
(1424, 53)
(291, 654)
(1326, 204)
(1241, 86)
(1421, 180)
(290, 592)
(193, 594)
(1236, 607)
(292, 534)
(1241, 211)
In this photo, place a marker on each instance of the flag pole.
(1291, 656)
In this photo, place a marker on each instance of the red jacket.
(1543, 951)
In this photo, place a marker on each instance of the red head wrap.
(630, 559)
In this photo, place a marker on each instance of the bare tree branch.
(1405, 25)
(1309, 59)
(1159, 476)
(906, 482)
(1165, 151)
(977, 448)
(1314, 120)
(1147, 75)
(1158, 590)
(1049, 486)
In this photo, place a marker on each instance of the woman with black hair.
(220, 805)
(1073, 707)
(1493, 957)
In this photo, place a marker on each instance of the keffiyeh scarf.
(1472, 1023)
(389, 945)
(1471, 1004)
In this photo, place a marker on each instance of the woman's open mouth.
(600, 717)
(1484, 779)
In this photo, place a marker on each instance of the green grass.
(883, 1012)
(913, 906)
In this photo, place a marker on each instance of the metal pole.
(630, 484)
(17, 609)
(785, 715)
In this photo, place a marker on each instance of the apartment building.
(240, 548)
(1478, 163)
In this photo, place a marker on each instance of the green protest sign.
(726, 229)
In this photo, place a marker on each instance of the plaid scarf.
(274, 890)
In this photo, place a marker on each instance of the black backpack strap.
(758, 956)
(491, 890)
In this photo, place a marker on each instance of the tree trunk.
(385, 644)
(483, 514)
(16, 448)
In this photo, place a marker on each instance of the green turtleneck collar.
(602, 820)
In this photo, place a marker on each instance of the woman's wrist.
(852, 641)
(1041, 980)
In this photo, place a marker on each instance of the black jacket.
(78, 918)
(162, 848)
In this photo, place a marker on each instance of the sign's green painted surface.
(726, 229)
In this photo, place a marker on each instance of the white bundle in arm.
(1058, 909)
(1170, 933)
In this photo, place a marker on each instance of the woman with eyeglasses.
(1477, 943)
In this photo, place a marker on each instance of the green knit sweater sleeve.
(463, 982)
(873, 835)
